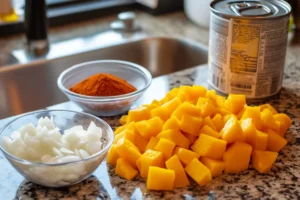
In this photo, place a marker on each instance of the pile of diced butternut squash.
(195, 132)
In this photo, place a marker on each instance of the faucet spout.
(36, 25)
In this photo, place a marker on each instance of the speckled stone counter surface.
(283, 182)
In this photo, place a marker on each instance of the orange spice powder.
(103, 85)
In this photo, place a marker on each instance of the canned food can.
(247, 46)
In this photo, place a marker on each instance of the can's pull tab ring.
(250, 9)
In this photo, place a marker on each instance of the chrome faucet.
(36, 24)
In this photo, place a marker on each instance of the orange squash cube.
(190, 137)
(224, 111)
(127, 133)
(175, 136)
(261, 141)
(183, 96)
(225, 118)
(232, 131)
(240, 114)
(207, 108)
(190, 124)
(150, 158)
(125, 170)
(267, 119)
(165, 111)
(236, 102)
(208, 146)
(161, 112)
(149, 128)
(277, 129)
(275, 141)
(171, 123)
(119, 136)
(211, 95)
(186, 108)
(199, 172)
(185, 156)
(138, 114)
(184, 93)
(123, 142)
(166, 147)
(128, 151)
(268, 106)
(209, 131)
(181, 179)
(221, 102)
(139, 141)
(257, 139)
(170, 95)
(262, 161)
(152, 143)
(237, 157)
(249, 131)
(160, 179)
(207, 121)
(154, 104)
(218, 122)
(112, 155)
(197, 91)
(173, 93)
(172, 105)
(215, 167)
(131, 126)
(123, 119)
(139, 164)
(120, 129)
(254, 113)
(187, 93)
(285, 122)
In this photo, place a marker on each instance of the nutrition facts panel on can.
(247, 56)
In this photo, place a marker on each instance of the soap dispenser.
(5, 7)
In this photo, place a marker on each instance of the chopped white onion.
(83, 153)
(45, 143)
(66, 151)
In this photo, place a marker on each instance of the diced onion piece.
(94, 132)
(68, 159)
(46, 122)
(56, 151)
(83, 153)
(94, 147)
(66, 151)
(28, 129)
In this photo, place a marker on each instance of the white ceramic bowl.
(58, 174)
(134, 74)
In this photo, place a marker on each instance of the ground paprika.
(103, 85)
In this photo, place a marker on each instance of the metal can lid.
(251, 8)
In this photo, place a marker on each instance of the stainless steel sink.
(29, 86)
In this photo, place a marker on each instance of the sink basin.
(31, 86)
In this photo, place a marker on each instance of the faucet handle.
(125, 22)
(128, 19)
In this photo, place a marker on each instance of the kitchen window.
(66, 11)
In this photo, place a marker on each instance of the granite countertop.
(281, 183)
